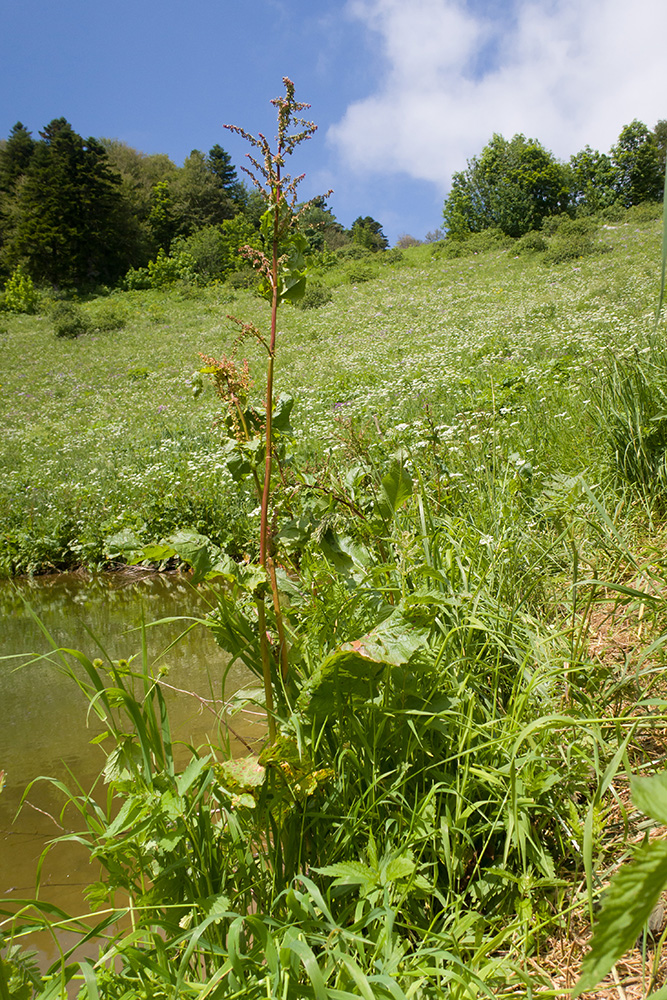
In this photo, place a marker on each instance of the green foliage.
(639, 164)
(359, 272)
(316, 295)
(472, 243)
(573, 239)
(512, 186)
(633, 892)
(20, 977)
(69, 320)
(593, 181)
(632, 415)
(367, 233)
(20, 295)
(69, 224)
(533, 242)
(215, 250)
(110, 315)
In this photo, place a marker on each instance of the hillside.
(446, 356)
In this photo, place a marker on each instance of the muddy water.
(45, 729)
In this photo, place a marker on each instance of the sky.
(404, 92)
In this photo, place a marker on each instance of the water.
(45, 728)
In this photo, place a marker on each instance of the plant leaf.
(630, 898)
(650, 795)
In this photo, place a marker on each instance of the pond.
(45, 727)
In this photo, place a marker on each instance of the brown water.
(44, 725)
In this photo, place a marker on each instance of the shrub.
(109, 316)
(360, 272)
(574, 238)
(246, 277)
(552, 223)
(165, 271)
(69, 320)
(20, 295)
(214, 250)
(394, 256)
(488, 239)
(614, 213)
(647, 211)
(137, 279)
(316, 295)
(354, 252)
(533, 242)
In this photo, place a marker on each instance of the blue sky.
(403, 91)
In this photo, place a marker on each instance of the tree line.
(513, 185)
(78, 212)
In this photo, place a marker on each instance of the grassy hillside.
(480, 361)
(466, 625)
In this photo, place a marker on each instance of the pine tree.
(71, 229)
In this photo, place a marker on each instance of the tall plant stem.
(266, 668)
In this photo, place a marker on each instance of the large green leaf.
(629, 900)
(353, 672)
(396, 486)
(650, 795)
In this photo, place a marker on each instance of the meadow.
(468, 517)
(102, 433)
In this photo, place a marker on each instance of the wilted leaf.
(245, 773)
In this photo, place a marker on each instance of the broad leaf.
(630, 898)
(650, 795)
(396, 486)
(353, 672)
(245, 773)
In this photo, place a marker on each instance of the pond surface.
(44, 725)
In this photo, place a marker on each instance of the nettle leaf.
(350, 873)
(629, 900)
(398, 868)
(650, 795)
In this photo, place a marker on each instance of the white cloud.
(567, 72)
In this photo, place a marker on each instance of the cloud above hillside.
(566, 72)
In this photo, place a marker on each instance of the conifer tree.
(70, 227)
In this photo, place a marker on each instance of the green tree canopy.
(71, 227)
(320, 226)
(366, 232)
(199, 196)
(639, 164)
(511, 186)
(593, 181)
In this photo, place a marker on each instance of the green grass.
(102, 433)
(477, 471)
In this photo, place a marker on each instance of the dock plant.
(444, 749)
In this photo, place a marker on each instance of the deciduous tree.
(639, 165)
(511, 186)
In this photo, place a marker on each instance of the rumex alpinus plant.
(281, 264)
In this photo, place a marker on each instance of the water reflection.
(46, 729)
